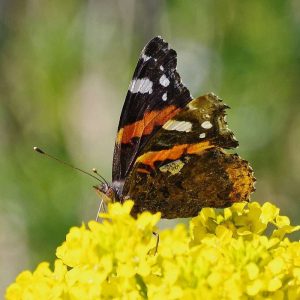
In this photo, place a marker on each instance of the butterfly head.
(107, 192)
(112, 191)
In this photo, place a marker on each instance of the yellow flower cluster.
(240, 252)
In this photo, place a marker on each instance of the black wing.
(155, 95)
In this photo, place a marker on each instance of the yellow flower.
(224, 254)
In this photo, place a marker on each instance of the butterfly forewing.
(155, 95)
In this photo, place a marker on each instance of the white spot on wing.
(164, 81)
(173, 167)
(206, 125)
(202, 135)
(145, 57)
(178, 126)
(164, 97)
(162, 68)
(142, 86)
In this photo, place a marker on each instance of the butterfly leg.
(156, 234)
(101, 209)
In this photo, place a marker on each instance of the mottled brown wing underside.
(181, 188)
(184, 167)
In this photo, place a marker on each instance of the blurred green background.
(65, 67)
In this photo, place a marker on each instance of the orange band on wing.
(149, 158)
(147, 124)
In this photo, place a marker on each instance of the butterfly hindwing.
(181, 188)
(155, 95)
(184, 167)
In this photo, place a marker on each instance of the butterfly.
(169, 152)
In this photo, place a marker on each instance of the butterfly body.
(169, 152)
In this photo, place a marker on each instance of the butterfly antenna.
(38, 150)
(99, 175)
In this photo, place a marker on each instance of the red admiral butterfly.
(169, 153)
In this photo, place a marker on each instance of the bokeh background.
(65, 67)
